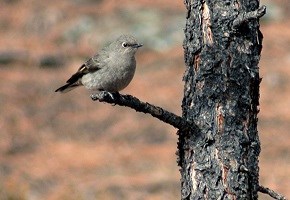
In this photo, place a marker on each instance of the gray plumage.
(112, 69)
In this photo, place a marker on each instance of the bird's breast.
(114, 76)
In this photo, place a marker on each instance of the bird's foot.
(105, 96)
(94, 96)
(114, 95)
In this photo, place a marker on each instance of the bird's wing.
(91, 65)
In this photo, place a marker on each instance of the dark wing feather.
(90, 65)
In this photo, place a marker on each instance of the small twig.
(271, 193)
(246, 16)
(157, 112)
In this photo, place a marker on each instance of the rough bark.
(222, 48)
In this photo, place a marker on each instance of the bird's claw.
(94, 97)
(101, 96)
(111, 95)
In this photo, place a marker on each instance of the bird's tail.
(67, 87)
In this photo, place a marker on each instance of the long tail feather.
(66, 88)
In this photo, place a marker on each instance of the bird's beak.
(137, 45)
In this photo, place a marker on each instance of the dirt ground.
(67, 147)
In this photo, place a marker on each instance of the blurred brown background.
(67, 147)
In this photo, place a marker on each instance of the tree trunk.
(222, 48)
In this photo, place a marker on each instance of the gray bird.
(112, 69)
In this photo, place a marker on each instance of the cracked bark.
(222, 48)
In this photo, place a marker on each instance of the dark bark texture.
(145, 107)
(222, 49)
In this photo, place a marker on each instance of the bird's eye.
(124, 44)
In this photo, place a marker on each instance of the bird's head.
(126, 44)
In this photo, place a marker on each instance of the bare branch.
(246, 16)
(271, 193)
(157, 112)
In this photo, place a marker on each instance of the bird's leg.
(111, 94)
(114, 94)
(102, 95)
